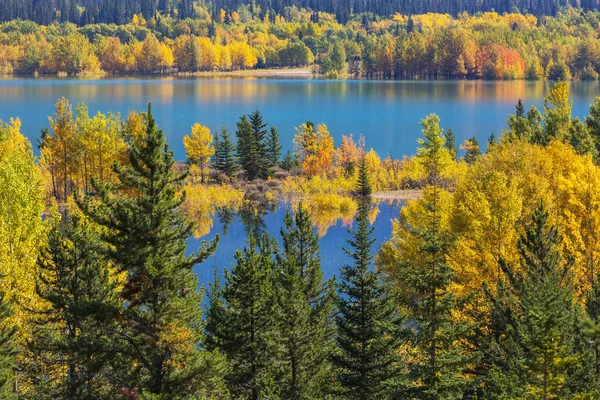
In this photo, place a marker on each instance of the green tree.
(146, 237)
(472, 150)
(251, 147)
(424, 283)
(450, 143)
(225, 160)
(369, 328)
(306, 310)
(250, 320)
(75, 332)
(273, 147)
(289, 162)
(545, 298)
(363, 184)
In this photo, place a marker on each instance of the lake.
(386, 112)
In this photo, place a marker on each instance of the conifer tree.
(146, 237)
(289, 162)
(472, 150)
(305, 326)
(451, 143)
(250, 320)
(251, 147)
(215, 311)
(369, 328)
(424, 286)
(491, 142)
(75, 333)
(273, 147)
(260, 137)
(363, 185)
(545, 298)
(225, 159)
(520, 109)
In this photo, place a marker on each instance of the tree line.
(418, 46)
(83, 12)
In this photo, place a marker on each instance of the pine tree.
(363, 185)
(224, 159)
(369, 328)
(250, 320)
(305, 327)
(424, 285)
(491, 142)
(251, 149)
(451, 143)
(273, 147)
(289, 162)
(215, 312)
(76, 332)
(260, 137)
(545, 296)
(146, 237)
(520, 109)
(472, 151)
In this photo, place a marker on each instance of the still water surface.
(386, 112)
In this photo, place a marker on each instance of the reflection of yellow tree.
(203, 201)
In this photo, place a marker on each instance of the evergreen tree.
(289, 162)
(224, 159)
(273, 147)
(251, 147)
(146, 237)
(520, 109)
(425, 287)
(369, 328)
(75, 333)
(545, 298)
(472, 150)
(451, 143)
(491, 142)
(363, 185)
(250, 320)
(215, 312)
(260, 137)
(305, 325)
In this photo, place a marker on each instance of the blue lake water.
(386, 112)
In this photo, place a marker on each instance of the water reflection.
(386, 112)
(233, 228)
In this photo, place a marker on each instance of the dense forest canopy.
(84, 12)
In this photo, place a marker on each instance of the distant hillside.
(83, 12)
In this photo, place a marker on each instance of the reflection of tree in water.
(253, 218)
(226, 217)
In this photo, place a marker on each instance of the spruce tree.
(425, 282)
(251, 148)
(545, 298)
(259, 131)
(491, 142)
(76, 332)
(289, 162)
(250, 320)
(305, 306)
(451, 143)
(224, 159)
(146, 236)
(368, 325)
(363, 185)
(273, 147)
(215, 311)
(473, 151)
(520, 109)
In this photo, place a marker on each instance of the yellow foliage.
(203, 201)
(22, 229)
(198, 147)
(314, 148)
